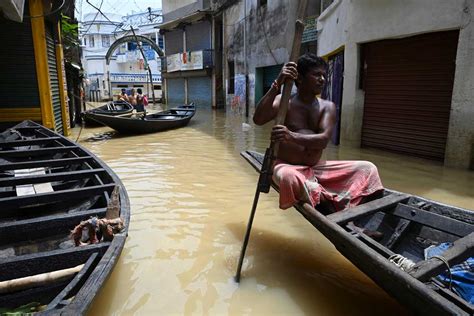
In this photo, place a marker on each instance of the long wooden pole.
(264, 180)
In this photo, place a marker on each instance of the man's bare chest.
(299, 118)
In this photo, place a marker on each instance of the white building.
(127, 68)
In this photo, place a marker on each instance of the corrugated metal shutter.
(198, 36)
(175, 89)
(53, 80)
(19, 84)
(174, 42)
(200, 91)
(408, 88)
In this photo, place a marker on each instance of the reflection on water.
(191, 195)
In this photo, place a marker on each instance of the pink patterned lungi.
(343, 184)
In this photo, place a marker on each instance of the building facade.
(127, 67)
(33, 73)
(408, 75)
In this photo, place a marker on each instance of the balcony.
(193, 60)
(133, 78)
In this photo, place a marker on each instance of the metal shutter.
(408, 88)
(174, 42)
(53, 80)
(198, 36)
(175, 89)
(19, 84)
(200, 91)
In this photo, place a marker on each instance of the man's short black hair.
(139, 90)
(308, 61)
(124, 90)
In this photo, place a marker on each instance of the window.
(91, 41)
(105, 41)
(231, 89)
(85, 41)
(160, 42)
(262, 3)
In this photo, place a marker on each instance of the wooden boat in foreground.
(48, 185)
(151, 123)
(111, 108)
(410, 224)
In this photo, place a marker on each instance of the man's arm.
(267, 107)
(311, 141)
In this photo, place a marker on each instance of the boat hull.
(48, 185)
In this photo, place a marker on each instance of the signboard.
(191, 60)
(173, 62)
(310, 33)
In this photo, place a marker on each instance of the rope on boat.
(402, 262)
(443, 259)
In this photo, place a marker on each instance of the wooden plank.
(461, 250)
(44, 226)
(35, 152)
(33, 178)
(384, 251)
(45, 163)
(20, 266)
(368, 208)
(27, 142)
(433, 220)
(28, 188)
(78, 279)
(10, 203)
(398, 283)
(400, 229)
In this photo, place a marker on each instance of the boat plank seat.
(433, 220)
(461, 250)
(12, 203)
(368, 208)
(33, 152)
(39, 176)
(29, 142)
(45, 163)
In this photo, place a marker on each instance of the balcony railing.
(125, 78)
(192, 60)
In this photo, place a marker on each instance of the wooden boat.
(48, 185)
(151, 123)
(410, 224)
(111, 108)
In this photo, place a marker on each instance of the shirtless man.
(299, 170)
(132, 98)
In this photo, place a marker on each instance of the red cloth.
(341, 183)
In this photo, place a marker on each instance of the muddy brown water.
(191, 194)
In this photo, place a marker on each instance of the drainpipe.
(245, 63)
(185, 78)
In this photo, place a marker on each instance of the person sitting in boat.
(140, 98)
(299, 171)
(123, 95)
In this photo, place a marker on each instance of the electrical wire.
(47, 14)
(96, 15)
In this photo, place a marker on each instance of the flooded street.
(191, 195)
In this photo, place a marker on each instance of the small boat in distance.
(151, 123)
(111, 108)
(49, 186)
(410, 259)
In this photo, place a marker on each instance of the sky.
(121, 7)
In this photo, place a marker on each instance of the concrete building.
(227, 52)
(127, 68)
(32, 65)
(408, 75)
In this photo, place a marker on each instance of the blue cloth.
(462, 274)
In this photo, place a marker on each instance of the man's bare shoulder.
(326, 105)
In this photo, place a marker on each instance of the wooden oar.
(265, 178)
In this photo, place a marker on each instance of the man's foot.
(375, 235)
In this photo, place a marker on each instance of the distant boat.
(111, 108)
(410, 227)
(151, 123)
(48, 185)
